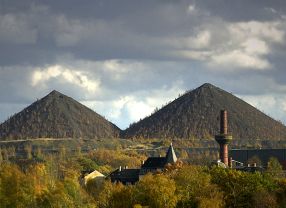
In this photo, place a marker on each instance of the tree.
(105, 194)
(274, 168)
(264, 199)
(240, 187)
(184, 154)
(1, 157)
(87, 164)
(196, 190)
(5, 155)
(156, 191)
(28, 150)
(16, 188)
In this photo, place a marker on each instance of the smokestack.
(223, 122)
(223, 138)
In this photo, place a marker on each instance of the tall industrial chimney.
(223, 138)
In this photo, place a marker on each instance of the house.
(152, 164)
(157, 164)
(125, 176)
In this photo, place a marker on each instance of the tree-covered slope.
(57, 116)
(196, 114)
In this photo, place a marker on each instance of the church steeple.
(171, 155)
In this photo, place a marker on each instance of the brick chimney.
(223, 138)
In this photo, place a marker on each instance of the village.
(238, 160)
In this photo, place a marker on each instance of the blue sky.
(125, 58)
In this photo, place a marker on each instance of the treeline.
(55, 183)
(195, 186)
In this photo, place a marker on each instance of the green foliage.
(240, 187)
(196, 190)
(55, 183)
(156, 191)
(38, 188)
(1, 157)
(16, 189)
(87, 164)
(274, 168)
(114, 195)
(116, 158)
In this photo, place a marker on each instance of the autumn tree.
(156, 191)
(196, 190)
(274, 168)
(240, 187)
(16, 188)
(1, 157)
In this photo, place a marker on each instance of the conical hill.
(57, 116)
(196, 114)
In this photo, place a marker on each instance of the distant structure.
(264, 155)
(224, 138)
(155, 164)
(94, 176)
(152, 164)
(239, 158)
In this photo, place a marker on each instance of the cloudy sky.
(124, 58)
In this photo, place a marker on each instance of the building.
(245, 155)
(151, 165)
(239, 158)
(125, 176)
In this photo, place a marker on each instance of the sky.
(124, 58)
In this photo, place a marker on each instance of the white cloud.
(241, 59)
(143, 104)
(122, 111)
(200, 40)
(261, 30)
(62, 74)
(240, 45)
(130, 108)
(248, 45)
(120, 69)
(189, 54)
(284, 106)
(255, 46)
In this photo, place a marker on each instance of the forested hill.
(196, 114)
(57, 116)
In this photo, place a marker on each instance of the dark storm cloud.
(244, 10)
(99, 30)
(128, 55)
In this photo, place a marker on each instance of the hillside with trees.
(57, 116)
(55, 183)
(196, 115)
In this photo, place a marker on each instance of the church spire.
(171, 155)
